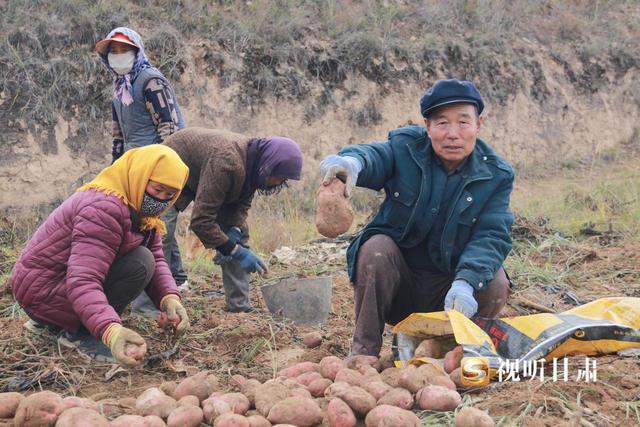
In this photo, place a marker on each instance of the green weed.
(11, 311)
(631, 409)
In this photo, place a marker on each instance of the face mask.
(152, 206)
(262, 182)
(122, 62)
(268, 190)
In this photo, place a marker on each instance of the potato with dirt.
(80, 402)
(431, 348)
(312, 339)
(231, 420)
(318, 387)
(289, 383)
(357, 398)
(386, 360)
(39, 409)
(112, 408)
(249, 390)
(335, 389)
(238, 402)
(350, 376)
(339, 414)
(126, 402)
(77, 416)
(154, 402)
(307, 378)
(196, 385)
(369, 372)
(437, 398)
(128, 420)
(329, 367)
(185, 416)
(443, 381)
(9, 404)
(213, 407)
(189, 400)
(377, 389)
(359, 360)
(214, 382)
(153, 421)
(413, 379)
(81, 417)
(473, 417)
(399, 397)
(268, 394)
(300, 392)
(237, 381)
(334, 214)
(432, 367)
(295, 410)
(453, 359)
(168, 387)
(456, 377)
(391, 416)
(391, 376)
(299, 369)
(258, 421)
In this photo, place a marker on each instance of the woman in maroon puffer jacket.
(100, 249)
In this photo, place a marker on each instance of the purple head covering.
(274, 156)
(122, 88)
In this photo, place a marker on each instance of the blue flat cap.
(450, 92)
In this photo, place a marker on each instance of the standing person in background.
(226, 169)
(145, 111)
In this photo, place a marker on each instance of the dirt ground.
(258, 345)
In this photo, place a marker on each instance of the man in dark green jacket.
(442, 233)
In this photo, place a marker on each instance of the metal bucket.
(303, 301)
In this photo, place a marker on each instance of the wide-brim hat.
(103, 45)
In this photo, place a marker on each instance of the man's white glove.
(345, 168)
(460, 297)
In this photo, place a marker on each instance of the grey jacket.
(136, 124)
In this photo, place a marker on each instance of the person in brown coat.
(225, 171)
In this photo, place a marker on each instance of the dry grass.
(603, 198)
(279, 49)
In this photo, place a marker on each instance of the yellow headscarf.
(127, 178)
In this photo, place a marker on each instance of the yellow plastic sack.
(603, 326)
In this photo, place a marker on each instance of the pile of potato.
(331, 393)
